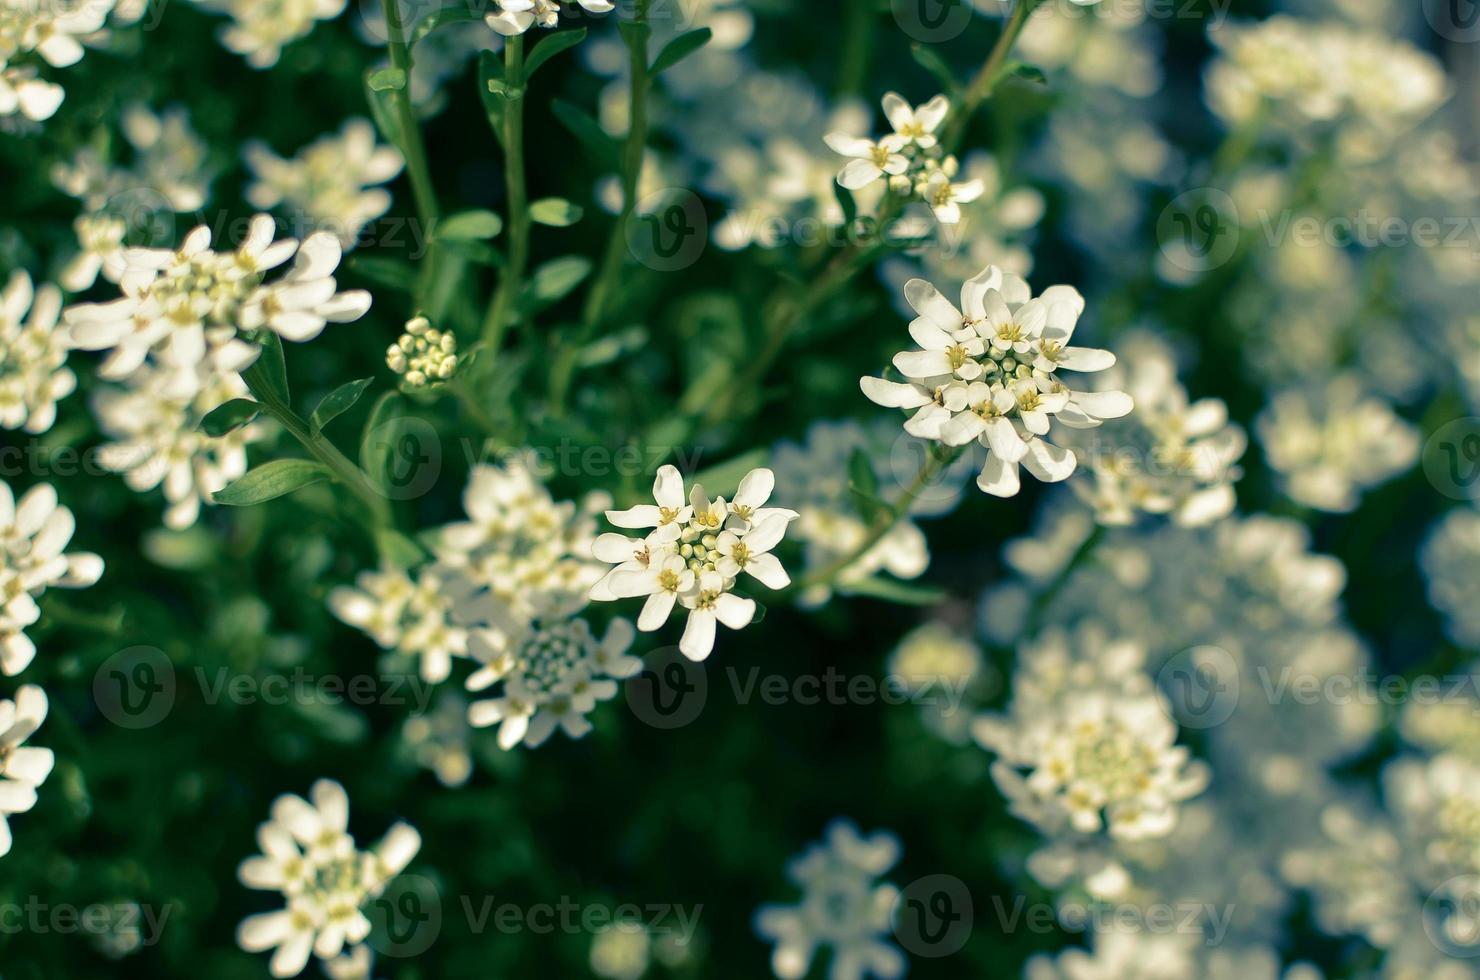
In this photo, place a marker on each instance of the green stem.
(1044, 599)
(935, 463)
(858, 43)
(412, 148)
(985, 81)
(633, 149)
(512, 280)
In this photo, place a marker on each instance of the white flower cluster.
(694, 555)
(33, 355)
(988, 373)
(517, 16)
(1310, 71)
(844, 908)
(1331, 441)
(910, 158)
(170, 168)
(1171, 457)
(22, 767)
(506, 590)
(814, 475)
(53, 32)
(1451, 563)
(326, 880)
(331, 183)
(1088, 748)
(34, 534)
(1134, 954)
(259, 29)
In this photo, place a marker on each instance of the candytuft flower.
(988, 373)
(22, 768)
(694, 555)
(33, 355)
(517, 16)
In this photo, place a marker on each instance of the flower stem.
(938, 459)
(1045, 598)
(986, 79)
(512, 279)
(633, 150)
(412, 147)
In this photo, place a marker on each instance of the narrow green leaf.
(468, 226)
(598, 145)
(398, 549)
(391, 273)
(386, 80)
(680, 48)
(552, 45)
(846, 202)
(555, 212)
(374, 447)
(490, 70)
(891, 590)
(863, 487)
(926, 57)
(554, 280)
(267, 378)
(229, 416)
(454, 13)
(337, 402)
(1024, 72)
(271, 480)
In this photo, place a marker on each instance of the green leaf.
(933, 63)
(598, 145)
(680, 48)
(267, 378)
(271, 480)
(1024, 72)
(374, 448)
(337, 402)
(891, 590)
(554, 280)
(555, 212)
(229, 416)
(846, 202)
(386, 80)
(491, 70)
(399, 550)
(468, 226)
(391, 273)
(552, 45)
(635, 32)
(604, 350)
(454, 13)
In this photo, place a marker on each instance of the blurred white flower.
(844, 908)
(54, 33)
(412, 617)
(326, 881)
(1331, 441)
(34, 534)
(33, 355)
(184, 309)
(1451, 563)
(694, 555)
(517, 16)
(330, 184)
(988, 373)
(23, 767)
(260, 29)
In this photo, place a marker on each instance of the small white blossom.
(326, 881)
(33, 355)
(34, 534)
(54, 33)
(517, 16)
(413, 617)
(23, 768)
(260, 29)
(101, 238)
(844, 907)
(694, 555)
(1451, 562)
(330, 184)
(988, 373)
(916, 125)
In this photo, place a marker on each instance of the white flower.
(52, 32)
(102, 240)
(259, 31)
(1451, 563)
(184, 309)
(34, 534)
(553, 676)
(33, 355)
(1330, 441)
(415, 618)
(871, 160)
(945, 198)
(844, 907)
(171, 172)
(309, 856)
(517, 16)
(21, 91)
(988, 373)
(917, 125)
(158, 442)
(694, 555)
(22, 768)
(330, 184)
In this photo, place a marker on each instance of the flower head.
(33, 355)
(34, 534)
(22, 768)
